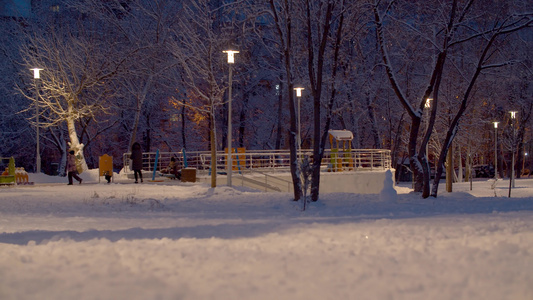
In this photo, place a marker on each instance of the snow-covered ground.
(188, 241)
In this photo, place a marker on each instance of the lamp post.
(495, 150)
(36, 76)
(298, 96)
(231, 61)
(428, 106)
(513, 146)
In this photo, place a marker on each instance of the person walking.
(72, 171)
(137, 161)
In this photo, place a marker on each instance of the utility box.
(105, 165)
(188, 175)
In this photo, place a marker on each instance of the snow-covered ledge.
(357, 182)
(364, 182)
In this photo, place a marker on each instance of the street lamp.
(298, 96)
(513, 146)
(231, 61)
(495, 150)
(36, 75)
(428, 106)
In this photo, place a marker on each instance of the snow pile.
(176, 240)
(388, 193)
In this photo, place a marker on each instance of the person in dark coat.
(72, 171)
(137, 161)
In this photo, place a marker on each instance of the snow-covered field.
(188, 241)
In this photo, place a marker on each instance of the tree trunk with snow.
(331, 24)
(75, 145)
(283, 25)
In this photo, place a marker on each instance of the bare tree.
(76, 68)
(451, 33)
(282, 13)
(198, 49)
(329, 34)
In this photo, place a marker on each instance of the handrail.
(274, 178)
(265, 185)
(269, 160)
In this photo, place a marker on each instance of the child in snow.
(172, 168)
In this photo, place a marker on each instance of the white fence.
(267, 160)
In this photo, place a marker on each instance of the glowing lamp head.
(231, 55)
(513, 114)
(36, 74)
(428, 102)
(299, 91)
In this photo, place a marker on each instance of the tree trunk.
(242, 119)
(285, 35)
(280, 117)
(373, 123)
(138, 110)
(449, 169)
(183, 129)
(75, 144)
(213, 149)
(316, 80)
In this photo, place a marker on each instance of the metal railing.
(267, 160)
(264, 182)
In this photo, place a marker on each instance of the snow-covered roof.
(341, 135)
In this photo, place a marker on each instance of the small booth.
(341, 151)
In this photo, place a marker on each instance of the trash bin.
(188, 175)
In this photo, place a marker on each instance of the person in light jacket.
(137, 161)
(72, 171)
(172, 169)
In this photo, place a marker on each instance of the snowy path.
(187, 241)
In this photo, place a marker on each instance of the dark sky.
(15, 8)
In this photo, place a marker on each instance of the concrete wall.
(358, 182)
(364, 182)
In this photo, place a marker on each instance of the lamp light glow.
(299, 91)
(36, 74)
(231, 55)
(428, 102)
